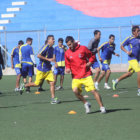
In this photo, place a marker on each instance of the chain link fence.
(9, 39)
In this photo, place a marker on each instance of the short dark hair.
(20, 42)
(111, 36)
(96, 32)
(29, 39)
(69, 38)
(60, 39)
(48, 37)
(134, 28)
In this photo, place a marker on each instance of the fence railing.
(9, 39)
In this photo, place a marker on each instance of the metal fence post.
(5, 42)
(79, 34)
(120, 44)
(38, 35)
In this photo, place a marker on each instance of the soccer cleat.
(106, 86)
(17, 89)
(59, 88)
(55, 101)
(22, 88)
(96, 86)
(114, 84)
(138, 93)
(103, 110)
(87, 106)
(28, 90)
(40, 89)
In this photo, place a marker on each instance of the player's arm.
(67, 64)
(32, 56)
(113, 52)
(90, 57)
(98, 51)
(2, 61)
(54, 59)
(64, 47)
(12, 55)
(44, 58)
(12, 64)
(124, 43)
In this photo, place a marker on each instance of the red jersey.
(76, 61)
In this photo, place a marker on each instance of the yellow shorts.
(134, 66)
(40, 76)
(87, 82)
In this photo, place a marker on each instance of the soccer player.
(1, 64)
(133, 51)
(27, 60)
(105, 59)
(92, 46)
(59, 58)
(78, 60)
(15, 63)
(44, 71)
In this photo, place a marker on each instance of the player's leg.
(62, 73)
(96, 66)
(97, 73)
(76, 87)
(50, 78)
(40, 86)
(89, 87)
(138, 81)
(99, 79)
(18, 73)
(0, 72)
(61, 81)
(106, 86)
(122, 77)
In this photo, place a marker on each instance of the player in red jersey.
(78, 60)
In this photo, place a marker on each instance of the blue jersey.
(44, 65)
(25, 52)
(133, 46)
(15, 54)
(107, 51)
(59, 56)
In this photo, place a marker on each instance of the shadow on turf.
(112, 110)
(11, 106)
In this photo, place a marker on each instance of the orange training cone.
(72, 112)
(86, 96)
(37, 92)
(115, 95)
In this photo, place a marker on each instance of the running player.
(1, 64)
(27, 60)
(133, 43)
(59, 69)
(15, 63)
(105, 59)
(92, 46)
(44, 71)
(78, 60)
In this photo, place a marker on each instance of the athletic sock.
(116, 80)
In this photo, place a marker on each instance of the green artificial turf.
(32, 117)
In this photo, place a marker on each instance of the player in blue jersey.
(133, 51)
(105, 59)
(27, 60)
(1, 64)
(44, 71)
(15, 63)
(92, 46)
(59, 58)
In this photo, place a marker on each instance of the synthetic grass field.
(32, 117)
